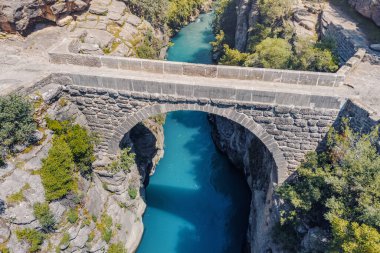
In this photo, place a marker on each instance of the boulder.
(368, 8)
(316, 240)
(375, 47)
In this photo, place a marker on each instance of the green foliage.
(44, 216)
(57, 169)
(150, 47)
(180, 11)
(33, 237)
(72, 216)
(16, 121)
(315, 56)
(273, 11)
(224, 23)
(105, 227)
(350, 237)
(233, 57)
(337, 190)
(271, 53)
(18, 196)
(159, 119)
(65, 239)
(80, 142)
(132, 192)
(153, 11)
(117, 248)
(124, 161)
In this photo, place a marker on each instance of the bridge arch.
(240, 118)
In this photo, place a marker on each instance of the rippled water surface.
(197, 201)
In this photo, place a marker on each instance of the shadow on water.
(218, 209)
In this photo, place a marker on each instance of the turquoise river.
(197, 202)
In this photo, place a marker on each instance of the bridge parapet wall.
(62, 55)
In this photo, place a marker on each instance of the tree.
(233, 57)
(57, 170)
(16, 121)
(271, 53)
(337, 190)
(44, 216)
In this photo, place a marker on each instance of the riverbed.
(196, 200)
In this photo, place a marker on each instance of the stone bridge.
(290, 112)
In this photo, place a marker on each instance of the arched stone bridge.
(290, 112)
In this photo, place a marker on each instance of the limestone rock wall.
(19, 15)
(368, 8)
(249, 154)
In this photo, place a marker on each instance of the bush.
(132, 192)
(16, 121)
(153, 11)
(315, 56)
(80, 142)
(105, 227)
(150, 47)
(124, 162)
(44, 216)
(180, 11)
(72, 216)
(337, 190)
(33, 237)
(57, 169)
(117, 248)
(18, 196)
(271, 53)
(233, 57)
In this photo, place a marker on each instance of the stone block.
(139, 85)
(325, 102)
(271, 75)
(152, 66)
(291, 77)
(130, 64)
(110, 62)
(57, 58)
(210, 71)
(326, 79)
(152, 87)
(168, 88)
(185, 90)
(193, 70)
(108, 82)
(263, 97)
(222, 93)
(174, 68)
(293, 99)
(251, 73)
(308, 78)
(244, 95)
(124, 84)
(87, 60)
(228, 72)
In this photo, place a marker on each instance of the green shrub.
(271, 53)
(124, 162)
(153, 11)
(339, 191)
(180, 11)
(117, 248)
(233, 57)
(72, 216)
(150, 47)
(80, 142)
(18, 196)
(33, 237)
(44, 216)
(132, 192)
(57, 169)
(105, 227)
(16, 121)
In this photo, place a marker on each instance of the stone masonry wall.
(296, 130)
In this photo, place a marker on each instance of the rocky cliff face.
(368, 8)
(19, 15)
(250, 155)
(119, 195)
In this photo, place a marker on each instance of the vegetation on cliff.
(272, 42)
(16, 123)
(338, 192)
(161, 13)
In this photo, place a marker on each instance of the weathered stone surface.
(368, 8)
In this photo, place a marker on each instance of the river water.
(197, 202)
